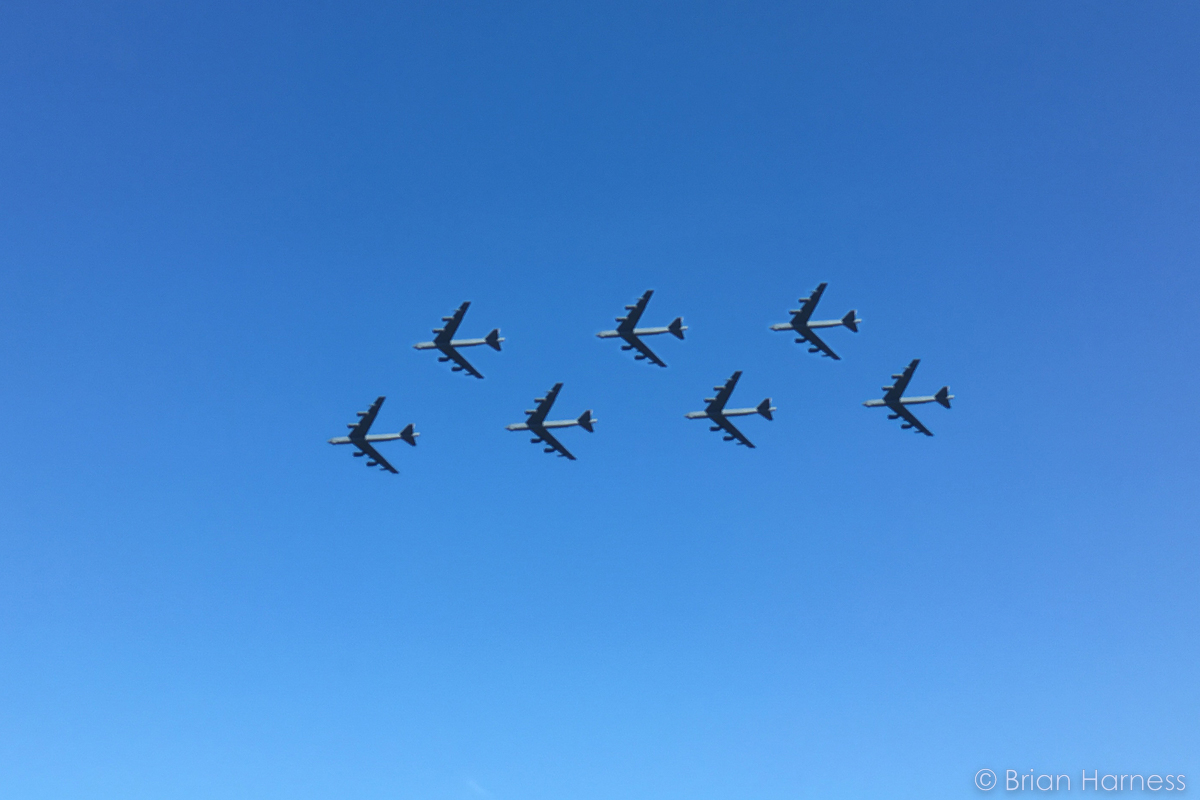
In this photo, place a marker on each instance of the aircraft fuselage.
(726, 412)
(557, 423)
(373, 437)
(813, 323)
(636, 332)
(907, 401)
(452, 343)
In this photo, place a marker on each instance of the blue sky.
(223, 225)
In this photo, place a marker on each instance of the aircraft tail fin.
(409, 435)
(765, 409)
(851, 320)
(493, 339)
(676, 328)
(585, 421)
(943, 396)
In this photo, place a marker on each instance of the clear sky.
(223, 225)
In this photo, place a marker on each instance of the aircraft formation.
(715, 411)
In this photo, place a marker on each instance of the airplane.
(896, 403)
(538, 426)
(446, 344)
(803, 326)
(359, 438)
(626, 330)
(718, 413)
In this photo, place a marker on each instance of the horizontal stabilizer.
(409, 435)
(943, 396)
(676, 328)
(851, 320)
(585, 421)
(493, 339)
(764, 408)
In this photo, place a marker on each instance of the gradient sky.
(223, 225)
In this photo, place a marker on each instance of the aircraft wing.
(447, 331)
(643, 349)
(723, 392)
(809, 304)
(373, 454)
(820, 345)
(634, 312)
(909, 417)
(729, 428)
(544, 404)
(901, 383)
(545, 436)
(366, 420)
(459, 359)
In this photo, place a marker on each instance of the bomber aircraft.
(362, 441)
(626, 330)
(718, 413)
(803, 325)
(537, 424)
(445, 342)
(893, 400)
